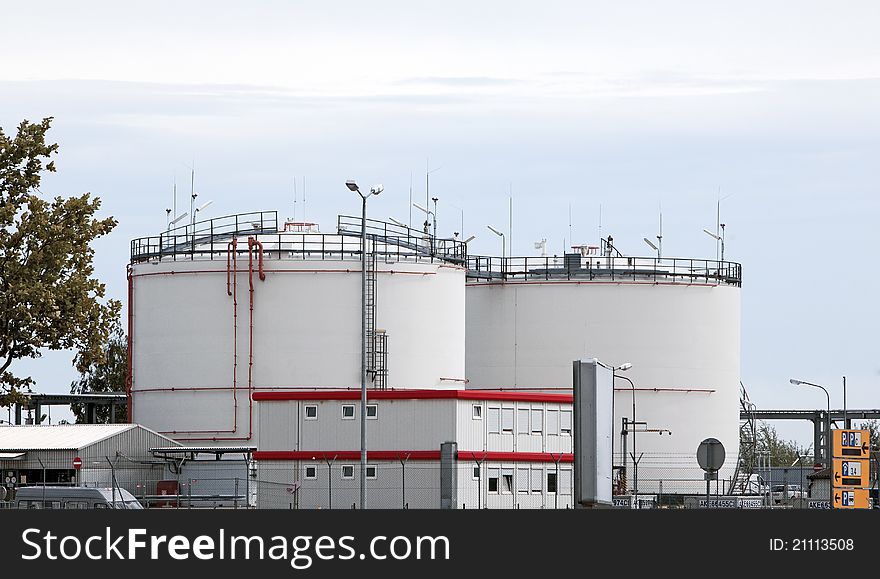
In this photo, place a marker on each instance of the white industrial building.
(241, 327)
(105, 454)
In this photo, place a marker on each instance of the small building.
(81, 454)
(507, 450)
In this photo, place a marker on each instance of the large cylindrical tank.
(676, 321)
(207, 329)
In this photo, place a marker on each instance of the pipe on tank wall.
(232, 290)
(128, 374)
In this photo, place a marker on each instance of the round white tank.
(676, 321)
(198, 348)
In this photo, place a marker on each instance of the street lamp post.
(373, 191)
(623, 368)
(827, 417)
(503, 241)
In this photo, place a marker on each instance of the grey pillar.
(819, 439)
(448, 475)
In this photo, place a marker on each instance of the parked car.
(786, 492)
(59, 497)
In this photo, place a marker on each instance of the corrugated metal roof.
(57, 437)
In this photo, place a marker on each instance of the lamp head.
(376, 189)
(352, 186)
(796, 382)
(624, 367)
(471, 238)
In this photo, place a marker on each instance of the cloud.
(460, 81)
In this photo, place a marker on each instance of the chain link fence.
(659, 481)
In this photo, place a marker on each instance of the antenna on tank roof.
(660, 234)
(565, 247)
(294, 200)
(510, 216)
(304, 199)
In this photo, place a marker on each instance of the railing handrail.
(575, 266)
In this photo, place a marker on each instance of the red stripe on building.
(465, 455)
(412, 395)
(346, 455)
(478, 456)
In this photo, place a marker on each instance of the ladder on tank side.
(748, 446)
(377, 341)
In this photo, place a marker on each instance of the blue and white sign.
(851, 438)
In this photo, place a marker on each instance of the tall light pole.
(827, 418)
(717, 238)
(503, 241)
(430, 217)
(623, 368)
(373, 191)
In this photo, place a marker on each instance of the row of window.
(498, 480)
(311, 471)
(527, 420)
(348, 410)
(528, 480)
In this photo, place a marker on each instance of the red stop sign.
(77, 462)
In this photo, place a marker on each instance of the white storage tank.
(677, 321)
(238, 304)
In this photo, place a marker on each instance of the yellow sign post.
(850, 473)
(850, 469)
(850, 499)
(850, 443)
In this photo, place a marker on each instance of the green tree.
(105, 375)
(782, 452)
(48, 296)
(873, 428)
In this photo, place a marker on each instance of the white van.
(38, 497)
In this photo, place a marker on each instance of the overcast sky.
(627, 105)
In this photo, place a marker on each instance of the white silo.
(238, 304)
(677, 321)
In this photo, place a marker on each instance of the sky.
(773, 108)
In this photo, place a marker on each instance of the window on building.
(551, 482)
(311, 472)
(347, 471)
(507, 420)
(478, 412)
(565, 423)
(522, 480)
(311, 411)
(565, 481)
(476, 474)
(493, 481)
(494, 420)
(537, 421)
(522, 421)
(506, 481)
(537, 480)
(371, 471)
(552, 422)
(372, 411)
(348, 411)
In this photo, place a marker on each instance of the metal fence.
(662, 481)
